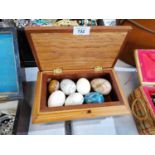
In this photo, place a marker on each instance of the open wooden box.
(59, 54)
(140, 100)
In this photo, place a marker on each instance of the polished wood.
(138, 38)
(124, 99)
(115, 103)
(57, 47)
(64, 29)
(138, 67)
(77, 56)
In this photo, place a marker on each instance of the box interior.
(147, 63)
(114, 98)
(8, 84)
(149, 91)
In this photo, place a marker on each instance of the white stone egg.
(74, 99)
(56, 99)
(101, 85)
(83, 86)
(68, 86)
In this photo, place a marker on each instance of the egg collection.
(67, 92)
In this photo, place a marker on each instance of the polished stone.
(94, 97)
(56, 99)
(101, 85)
(74, 99)
(68, 86)
(83, 86)
(53, 86)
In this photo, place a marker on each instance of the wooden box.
(10, 81)
(60, 54)
(141, 36)
(141, 100)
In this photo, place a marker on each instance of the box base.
(115, 103)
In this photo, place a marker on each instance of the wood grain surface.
(138, 38)
(77, 56)
(55, 47)
(115, 104)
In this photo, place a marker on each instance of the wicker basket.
(142, 112)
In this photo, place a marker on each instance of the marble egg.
(56, 99)
(94, 97)
(101, 85)
(83, 86)
(53, 86)
(74, 99)
(68, 86)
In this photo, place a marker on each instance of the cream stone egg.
(74, 99)
(56, 99)
(101, 85)
(68, 86)
(83, 86)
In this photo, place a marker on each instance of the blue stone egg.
(94, 97)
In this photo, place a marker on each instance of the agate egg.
(74, 99)
(53, 86)
(94, 97)
(68, 86)
(56, 99)
(83, 86)
(101, 85)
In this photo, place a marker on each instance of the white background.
(72, 145)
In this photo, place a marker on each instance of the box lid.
(145, 62)
(10, 82)
(58, 47)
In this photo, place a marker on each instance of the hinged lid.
(57, 47)
(10, 83)
(145, 62)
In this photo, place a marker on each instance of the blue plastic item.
(8, 68)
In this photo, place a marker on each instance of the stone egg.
(83, 86)
(94, 97)
(56, 99)
(101, 85)
(53, 86)
(68, 86)
(74, 99)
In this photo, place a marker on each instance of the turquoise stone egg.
(94, 97)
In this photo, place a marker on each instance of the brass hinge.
(57, 71)
(98, 68)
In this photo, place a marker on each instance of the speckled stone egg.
(83, 86)
(56, 99)
(53, 86)
(94, 97)
(68, 86)
(101, 85)
(74, 99)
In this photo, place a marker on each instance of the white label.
(81, 30)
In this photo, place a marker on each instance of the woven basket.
(142, 112)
